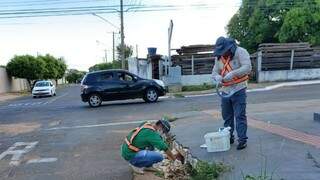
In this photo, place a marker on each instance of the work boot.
(241, 145)
(137, 170)
(231, 139)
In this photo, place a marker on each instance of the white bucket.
(218, 141)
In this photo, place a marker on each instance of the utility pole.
(123, 65)
(105, 56)
(113, 48)
(137, 51)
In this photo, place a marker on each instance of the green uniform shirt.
(146, 138)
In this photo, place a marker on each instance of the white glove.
(218, 79)
(228, 77)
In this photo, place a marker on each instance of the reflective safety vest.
(135, 133)
(226, 69)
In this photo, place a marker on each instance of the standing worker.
(140, 143)
(231, 71)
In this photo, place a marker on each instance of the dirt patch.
(18, 128)
(146, 176)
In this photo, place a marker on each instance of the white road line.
(52, 100)
(42, 160)
(98, 125)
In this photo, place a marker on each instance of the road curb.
(268, 88)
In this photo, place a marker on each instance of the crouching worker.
(139, 145)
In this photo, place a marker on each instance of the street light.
(105, 20)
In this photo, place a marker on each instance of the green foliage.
(36, 68)
(208, 171)
(301, 24)
(159, 174)
(128, 51)
(62, 67)
(26, 66)
(272, 21)
(51, 68)
(105, 66)
(74, 76)
(198, 87)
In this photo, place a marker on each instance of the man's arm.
(216, 72)
(245, 64)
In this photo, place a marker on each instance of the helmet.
(165, 124)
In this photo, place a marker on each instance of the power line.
(44, 12)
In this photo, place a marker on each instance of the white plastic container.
(218, 141)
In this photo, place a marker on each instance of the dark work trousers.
(234, 107)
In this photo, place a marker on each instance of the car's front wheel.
(151, 95)
(95, 100)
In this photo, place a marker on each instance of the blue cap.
(223, 45)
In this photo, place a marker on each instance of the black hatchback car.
(109, 85)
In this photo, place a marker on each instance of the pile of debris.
(177, 170)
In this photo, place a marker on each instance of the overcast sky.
(75, 37)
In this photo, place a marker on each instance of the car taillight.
(83, 87)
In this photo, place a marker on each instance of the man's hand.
(218, 79)
(228, 77)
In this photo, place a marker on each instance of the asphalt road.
(66, 139)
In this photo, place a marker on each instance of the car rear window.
(98, 77)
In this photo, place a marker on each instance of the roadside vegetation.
(74, 76)
(208, 171)
(202, 87)
(275, 21)
(116, 63)
(36, 68)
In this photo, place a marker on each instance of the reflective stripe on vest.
(135, 133)
(226, 69)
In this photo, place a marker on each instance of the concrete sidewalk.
(10, 96)
(283, 140)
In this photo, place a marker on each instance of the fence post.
(259, 64)
(192, 65)
(292, 58)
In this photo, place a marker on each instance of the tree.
(266, 21)
(128, 51)
(27, 67)
(51, 68)
(105, 66)
(61, 69)
(74, 76)
(301, 25)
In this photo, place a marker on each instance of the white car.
(43, 88)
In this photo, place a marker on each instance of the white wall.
(9, 84)
(288, 75)
(142, 68)
(187, 80)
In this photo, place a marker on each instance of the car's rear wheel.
(95, 100)
(151, 95)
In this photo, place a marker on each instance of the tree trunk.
(56, 82)
(30, 85)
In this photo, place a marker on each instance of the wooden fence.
(284, 56)
(195, 59)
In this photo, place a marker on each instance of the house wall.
(187, 80)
